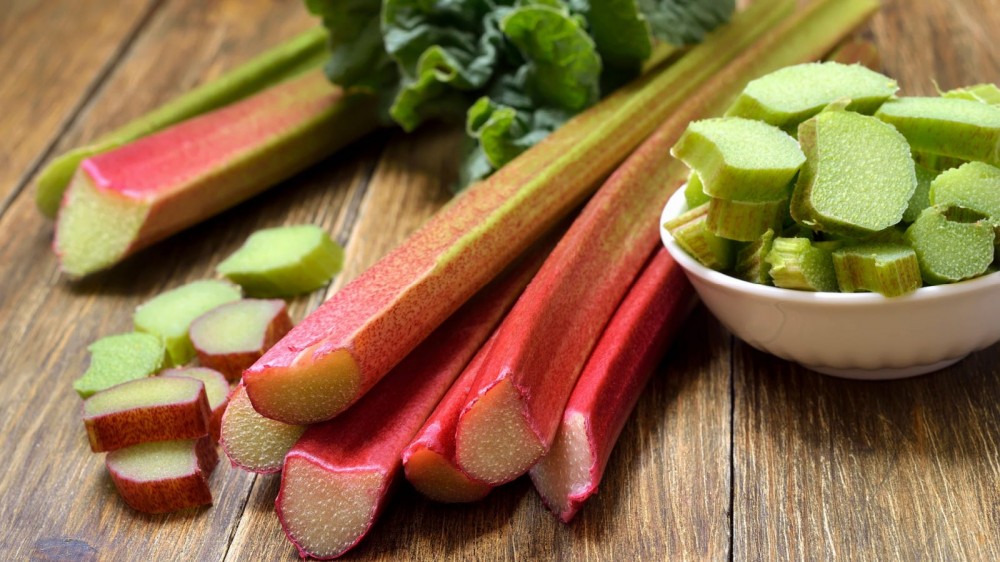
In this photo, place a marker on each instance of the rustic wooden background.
(731, 453)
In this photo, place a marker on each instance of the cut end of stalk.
(312, 389)
(563, 477)
(253, 442)
(437, 478)
(495, 442)
(95, 227)
(325, 513)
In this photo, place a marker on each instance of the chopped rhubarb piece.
(230, 337)
(169, 315)
(343, 348)
(974, 185)
(952, 244)
(983, 93)
(429, 460)
(130, 197)
(885, 268)
(284, 261)
(799, 263)
(165, 476)
(532, 367)
(216, 390)
(609, 387)
(120, 358)
(957, 128)
(251, 441)
(144, 410)
(336, 478)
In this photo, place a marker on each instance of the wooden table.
(731, 453)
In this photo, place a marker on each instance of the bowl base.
(884, 374)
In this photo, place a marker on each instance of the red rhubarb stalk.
(512, 417)
(429, 460)
(336, 478)
(609, 386)
(125, 199)
(343, 348)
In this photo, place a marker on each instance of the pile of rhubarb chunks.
(506, 337)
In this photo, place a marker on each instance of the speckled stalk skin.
(616, 373)
(279, 437)
(590, 270)
(187, 419)
(200, 167)
(369, 438)
(164, 496)
(373, 322)
(234, 363)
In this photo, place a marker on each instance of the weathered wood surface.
(730, 454)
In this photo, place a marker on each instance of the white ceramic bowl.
(859, 335)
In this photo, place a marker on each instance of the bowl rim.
(677, 204)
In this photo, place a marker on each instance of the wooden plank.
(53, 53)
(651, 505)
(907, 470)
(57, 501)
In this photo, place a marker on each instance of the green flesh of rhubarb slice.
(983, 93)
(974, 186)
(750, 261)
(691, 232)
(958, 128)
(858, 177)
(745, 221)
(170, 314)
(303, 52)
(797, 263)
(952, 244)
(284, 261)
(120, 358)
(694, 192)
(789, 96)
(888, 269)
(921, 196)
(740, 159)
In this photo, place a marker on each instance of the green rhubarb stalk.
(303, 52)
(349, 343)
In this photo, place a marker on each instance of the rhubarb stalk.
(343, 348)
(635, 340)
(303, 52)
(512, 418)
(125, 199)
(336, 478)
(429, 460)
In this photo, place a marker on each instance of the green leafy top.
(515, 70)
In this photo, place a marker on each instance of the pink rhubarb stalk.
(609, 386)
(343, 348)
(512, 418)
(429, 460)
(128, 198)
(336, 479)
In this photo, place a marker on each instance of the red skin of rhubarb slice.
(532, 367)
(611, 382)
(209, 163)
(215, 416)
(429, 460)
(233, 364)
(344, 347)
(188, 419)
(172, 494)
(353, 459)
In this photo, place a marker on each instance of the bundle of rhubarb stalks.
(503, 337)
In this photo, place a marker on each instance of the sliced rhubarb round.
(216, 390)
(165, 476)
(120, 358)
(231, 337)
(145, 410)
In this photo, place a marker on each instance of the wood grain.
(731, 454)
(53, 54)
